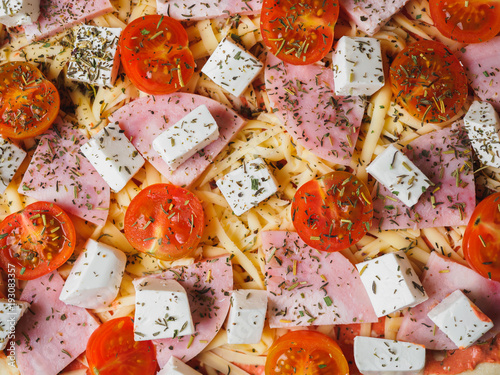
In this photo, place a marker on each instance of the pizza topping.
(11, 157)
(246, 317)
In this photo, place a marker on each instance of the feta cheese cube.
(357, 66)
(113, 156)
(231, 67)
(11, 158)
(247, 316)
(396, 172)
(94, 280)
(375, 356)
(162, 310)
(94, 59)
(187, 136)
(19, 12)
(391, 283)
(10, 313)
(247, 186)
(175, 366)
(460, 319)
(483, 125)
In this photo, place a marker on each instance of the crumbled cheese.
(19, 12)
(246, 317)
(11, 158)
(10, 313)
(175, 366)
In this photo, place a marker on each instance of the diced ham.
(326, 124)
(441, 277)
(146, 118)
(51, 334)
(195, 10)
(445, 157)
(308, 287)
(59, 173)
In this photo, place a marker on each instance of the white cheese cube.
(94, 280)
(187, 136)
(357, 66)
(113, 156)
(375, 356)
(162, 310)
(11, 158)
(231, 67)
(247, 186)
(175, 366)
(396, 172)
(19, 12)
(10, 313)
(391, 283)
(94, 59)
(247, 316)
(483, 125)
(460, 319)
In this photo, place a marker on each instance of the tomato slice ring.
(36, 240)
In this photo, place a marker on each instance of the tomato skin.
(306, 353)
(36, 240)
(310, 36)
(481, 242)
(333, 212)
(29, 103)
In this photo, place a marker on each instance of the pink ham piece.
(326, 124)
(146, 118)
(59, 173)
(445, 157)
(59, 15)
(325, 288)
(440, 278)
(195, 10)
(51, 334)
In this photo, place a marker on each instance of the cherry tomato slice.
(155, 55)
(299, 32)
(36, 240)
(29, 103)
(112, 350)
(472, 21)
(429, 81)
(332, 212)
(481, 240)
(306, 353)
(165, 221)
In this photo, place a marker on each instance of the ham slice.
(146, 118)
(195, 10)
(51, 334)
(59, 173)
(445, 157)
(326, 124)
(440, 278)
(307, 287)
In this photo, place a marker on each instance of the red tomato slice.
(472, 21)
(29, 103)
(299, 32)
(306, 353)
(165, 221)
(332, 212)
(481, 240)
(429, 81)
(36, 240)
(155, 55)
(112, 350)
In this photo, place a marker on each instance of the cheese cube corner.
(10, 313)
(11, 158)
(175, 366)
(19, 12)
(247, 316)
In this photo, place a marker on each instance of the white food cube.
(11, 158)
(19, 12)
(391, 283)
(162, 310)
(247, 186)
(94, 59)
(10, 313)
(375, 356)
(94, 280)
(483, 125)
(175, 366)
(187, 136)
(357, 66)
(231, 67)
(396, 172)
(460, 319)
(113, 156)
(247, 316)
